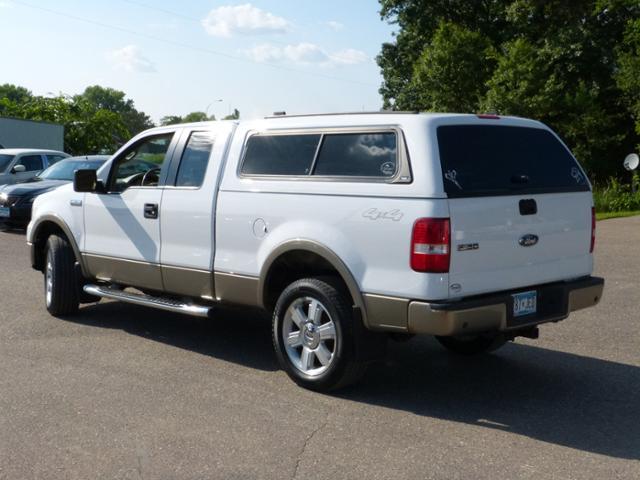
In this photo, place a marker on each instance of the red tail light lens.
(593, 229)
(431, 245)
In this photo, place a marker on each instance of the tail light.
(431, 245)
(593, 229)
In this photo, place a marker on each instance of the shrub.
(617, 197)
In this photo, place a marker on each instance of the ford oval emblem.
(528, 240)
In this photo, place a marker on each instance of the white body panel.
(115, 225)
(376, 251)
(563, 225)
(64, 204)
(186, 218)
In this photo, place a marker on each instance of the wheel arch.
(315, 252)
(44, 227)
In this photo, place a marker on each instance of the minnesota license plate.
(5, 212)
(525, 303)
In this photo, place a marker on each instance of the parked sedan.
(21, 164)
(16, 200)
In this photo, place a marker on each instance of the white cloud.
(333, 25)
(244, 19)
(305, 54)
(350, 56)
(130, 59)
(5, 4)
(265, 53)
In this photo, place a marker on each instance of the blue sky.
(258, 56)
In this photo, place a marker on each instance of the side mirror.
(18, 169)
(86, 181)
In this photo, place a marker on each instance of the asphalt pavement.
(124, 392)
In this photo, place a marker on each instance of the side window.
(280, 154)
(194, 161)
(141, 165)
(32, 163)
(358, 155)
(53, 159)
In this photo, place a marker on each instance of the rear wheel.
(60, 286)
(313, 335)
(473, 344)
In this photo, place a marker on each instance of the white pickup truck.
(472, 228)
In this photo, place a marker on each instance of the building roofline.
(31, 121)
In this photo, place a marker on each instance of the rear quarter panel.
(368, 225)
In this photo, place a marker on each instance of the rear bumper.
(493, 312)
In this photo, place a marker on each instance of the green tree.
(101, 98)
(171, 120)
(14, 94)
(196, 117)
(88, 129)
(451, 72)
(628, 76)
(234, 116)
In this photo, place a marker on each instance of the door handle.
(150, 210)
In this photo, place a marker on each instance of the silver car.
(21, 164)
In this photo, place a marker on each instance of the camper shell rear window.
(492, 160)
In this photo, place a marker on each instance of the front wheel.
(313, 335)
(60, 286)
(473, 344)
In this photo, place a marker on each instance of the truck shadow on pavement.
(570, 400)
(561, 398)
(233, 335)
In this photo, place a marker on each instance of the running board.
(148, 300)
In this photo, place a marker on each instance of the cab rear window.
(486, 160)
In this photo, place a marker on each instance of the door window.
(142, 164)
(32, 163)
(195, 159)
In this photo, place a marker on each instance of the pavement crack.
(307, 441)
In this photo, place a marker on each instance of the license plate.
(5, 212)
(525, 303)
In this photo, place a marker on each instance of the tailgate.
(494, 247)
(520, 208)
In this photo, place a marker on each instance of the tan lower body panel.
(585, 297)
(234, 288)
(128, 272)
(422, 319)
(187, 281)
(386, 313)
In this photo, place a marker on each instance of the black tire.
(473, 344)
(60, 283)
(344, 367)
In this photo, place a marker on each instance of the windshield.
(483, 160)
(65, 169)
(5, 160)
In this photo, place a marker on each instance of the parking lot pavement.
(123, 392)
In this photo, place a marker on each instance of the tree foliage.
(573, 65)
(115, 101)
(195, 117)
(233, 116)
(97, 121)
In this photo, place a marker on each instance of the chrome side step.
(148, 300)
